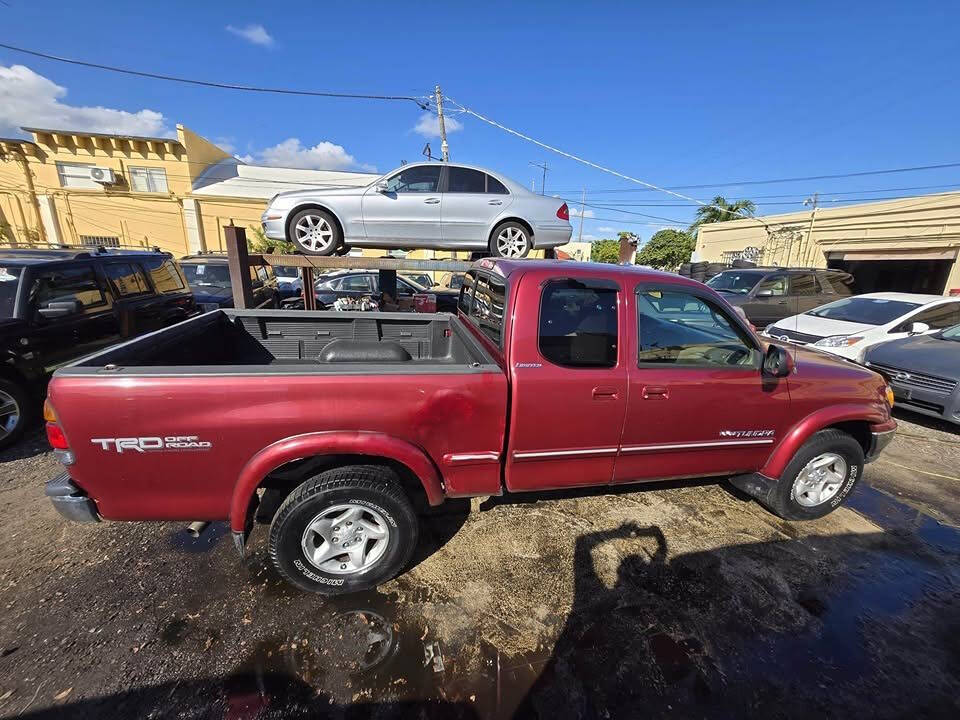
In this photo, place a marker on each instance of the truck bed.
(273, 341)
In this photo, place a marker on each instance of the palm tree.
(719, 210)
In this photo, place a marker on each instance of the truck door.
(699, 405)
(569, 383)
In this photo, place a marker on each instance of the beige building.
(908, 244)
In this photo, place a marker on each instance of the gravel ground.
(673, 599)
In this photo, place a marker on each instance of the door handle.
(495, 202)
(655, 391)
(432, 201)
(604, 393)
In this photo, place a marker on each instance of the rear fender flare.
(819, 420)
(331, 443)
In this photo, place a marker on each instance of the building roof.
(234, 178)
(81, 133)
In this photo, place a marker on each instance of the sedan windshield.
(951, 333)
(202, 275)
(866, 310)
(735, 281)
(9, 282)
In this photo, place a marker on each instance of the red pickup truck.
(551, 375)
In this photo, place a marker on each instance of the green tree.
(258, 242)
(605, 251)
(719, 210)
(667, 249)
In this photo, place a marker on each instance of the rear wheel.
(15, 406)
(315, 232)
(511, 240)
(347, 529)
(821, 475)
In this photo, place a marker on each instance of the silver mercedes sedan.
(425, 205)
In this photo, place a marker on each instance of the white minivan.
(849, 326)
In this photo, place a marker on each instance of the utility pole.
(444, 148)
(813, 216)
(543, 184)
(583, 204)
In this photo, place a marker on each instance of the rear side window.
(578, 325)
(835, 283)
(465, 180)
(489, 297)
(69, 284)
(465, 301)
(127, 278)
(164, 274)
(356, 283)
(495, 187)
(803, 284)
(775, 285)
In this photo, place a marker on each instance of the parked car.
(289, 281)
(58, 305)
(421, 279)
(360, 283)
(923, 370)
(771, 294)
(552, 375)
(209, 278)
(432, 205)
(452, 281)
(849, 326)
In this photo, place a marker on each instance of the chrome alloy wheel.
(511, 242)
(820, 480)
(313, 232)
(9, 414)
(346, 539)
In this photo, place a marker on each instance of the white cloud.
(254, 33)
(429, 125)
(606, 229)
(575, 212)
(322, 156)
(30, 99)
(589, 238)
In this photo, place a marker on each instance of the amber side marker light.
(889, 392)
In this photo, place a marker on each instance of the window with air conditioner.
(76, 175)
(148, 179)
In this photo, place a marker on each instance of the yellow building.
(908, 244)
(67, 187)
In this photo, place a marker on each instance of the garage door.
(908, 270)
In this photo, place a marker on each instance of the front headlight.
(838, 341)
(766, 330)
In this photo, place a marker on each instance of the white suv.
(849, 326)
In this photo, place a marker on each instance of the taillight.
(55, 436)
(564, 212)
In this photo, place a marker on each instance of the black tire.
(374, 488)
(739, 263)
(783, 500)
(519, 231)
(685, 270)
(26, 411)
(324, 222)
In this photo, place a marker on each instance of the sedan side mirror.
(764, 293)
(918, 328)
(381, 187)
(777, 362)
(60, 308)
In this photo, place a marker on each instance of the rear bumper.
(549, 235)
(70, 501)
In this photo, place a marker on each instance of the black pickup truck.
(59, 305)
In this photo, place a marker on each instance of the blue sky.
(673, 93)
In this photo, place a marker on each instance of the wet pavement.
(684, 600)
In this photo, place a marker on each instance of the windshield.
(735, 281)
(951, 333)
(283, 271)
(202, 275)
(9, 282)
(866, 310)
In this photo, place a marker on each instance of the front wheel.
(345, 530)
(821, 475)
(315, 232)
(511, 240)
(15, 406)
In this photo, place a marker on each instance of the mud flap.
(240, 537)
(755, 485)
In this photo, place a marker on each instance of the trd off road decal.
(152, 444)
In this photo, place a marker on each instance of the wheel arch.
(510, 218)
(313, 205)
(411, 463)
(855, 420)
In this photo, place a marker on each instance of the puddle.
(900, 518)
(181, 541)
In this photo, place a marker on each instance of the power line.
(207, 83)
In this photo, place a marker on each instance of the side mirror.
(777, 362)
(918, 328)
(764, 293)
(381, 187)
(60, 308)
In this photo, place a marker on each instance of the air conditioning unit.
(103, 175)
